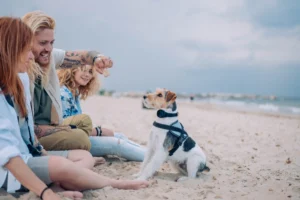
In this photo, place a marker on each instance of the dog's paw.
(183, 178)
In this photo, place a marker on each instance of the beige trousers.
(70, 139)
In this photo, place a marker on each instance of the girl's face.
(24, 63)
(83, 75)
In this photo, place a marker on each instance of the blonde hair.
(67, 78)
(38, 21)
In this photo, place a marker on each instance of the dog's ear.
(171, 96)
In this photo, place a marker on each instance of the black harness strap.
(170, 128)
(180, 138)
(164, 114)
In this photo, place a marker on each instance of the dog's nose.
(144, 97)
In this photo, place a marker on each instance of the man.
(53, 132)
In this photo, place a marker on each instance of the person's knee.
(83, 156)
(59, 167)
(86, 119)
(79, 140)
(87, 158)
(86, 123)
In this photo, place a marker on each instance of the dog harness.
(176, 129)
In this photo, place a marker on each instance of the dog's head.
(162, 98)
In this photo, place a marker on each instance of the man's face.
(42, 46)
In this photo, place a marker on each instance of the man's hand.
(102, 63)
(81, 58)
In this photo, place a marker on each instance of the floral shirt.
(70, 104)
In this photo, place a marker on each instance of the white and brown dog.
(168, 140)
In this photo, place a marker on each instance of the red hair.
(15, 39)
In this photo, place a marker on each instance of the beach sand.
(251, 155)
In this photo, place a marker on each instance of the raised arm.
(79, 58)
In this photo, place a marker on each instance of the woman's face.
(83, 75)
(24, 63)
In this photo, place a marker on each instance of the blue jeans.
(124, 148)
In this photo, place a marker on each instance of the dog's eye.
(159, 95)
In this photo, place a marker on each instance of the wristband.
(44, 190)
(98, 130)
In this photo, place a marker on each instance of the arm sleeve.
(59, 56)
(8, 142)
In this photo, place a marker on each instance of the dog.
(168, 140)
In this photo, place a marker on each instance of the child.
(79, 83)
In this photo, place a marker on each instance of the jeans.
(122, 147)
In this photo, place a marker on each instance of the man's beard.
(44, 67)
(37, 71)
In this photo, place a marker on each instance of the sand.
(251, 155)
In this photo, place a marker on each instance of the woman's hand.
(44, 152)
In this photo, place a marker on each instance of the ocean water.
(268, 104)
(242, 102)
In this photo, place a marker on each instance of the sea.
(242, 102)
(256, 103)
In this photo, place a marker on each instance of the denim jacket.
(14, 137)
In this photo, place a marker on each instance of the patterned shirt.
(70, 104)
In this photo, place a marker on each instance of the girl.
(79, 83)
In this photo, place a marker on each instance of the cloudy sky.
(233, 46)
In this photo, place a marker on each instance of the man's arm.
(80, 58)
(45, 130)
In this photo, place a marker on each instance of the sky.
(191, 46)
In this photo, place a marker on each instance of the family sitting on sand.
(44, 137)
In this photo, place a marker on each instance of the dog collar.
(164, 114)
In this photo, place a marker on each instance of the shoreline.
(202, 105)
